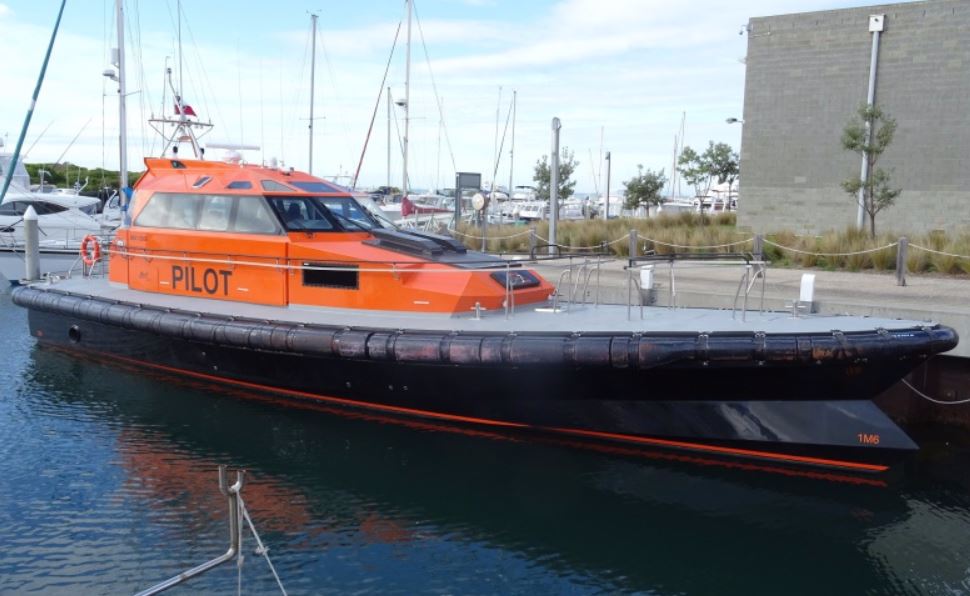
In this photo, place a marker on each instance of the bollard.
(902, 251)
(31, 245)
(634, 240)
(758, 249)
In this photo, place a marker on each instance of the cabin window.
(183, 212)
(216, 211)
(20, 207)
(240, 185)
(210, 213)
(202, 181)
(47, 208)
(351, 215)
(254, 217)
(317, 187)
(301, 214)
(345, 277)
(274, 186)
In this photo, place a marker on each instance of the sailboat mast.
(33, 102)
(313, 71)
(512, 149)
(407, 101)
(122, 108)
(389, 137)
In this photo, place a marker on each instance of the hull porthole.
(74, 334)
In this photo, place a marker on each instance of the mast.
(122, 109)
(512, 149)
(313, 70)
(389, 137)
(407, 101)
(33, 102)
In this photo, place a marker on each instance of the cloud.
(620, 70)
(5, 11)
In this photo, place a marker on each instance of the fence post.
(902, 252)
(633, 244)
(759, 247)
(532, 241)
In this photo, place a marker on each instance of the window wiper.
(344, 218)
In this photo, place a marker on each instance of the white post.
(876, 25)
(554, 186)
(31, 245)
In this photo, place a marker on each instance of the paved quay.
(941, 299)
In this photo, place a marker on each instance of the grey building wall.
(808, 73)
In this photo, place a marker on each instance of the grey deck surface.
(579, 318)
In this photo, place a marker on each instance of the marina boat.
(64, 220)
(523, 193)
(276, 281)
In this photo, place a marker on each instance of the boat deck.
(533, 319)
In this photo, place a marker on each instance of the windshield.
(349, 212)
(321, 214)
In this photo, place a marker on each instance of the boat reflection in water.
(350, 501)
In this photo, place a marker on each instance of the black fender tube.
(641, 351)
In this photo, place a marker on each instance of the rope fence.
(830, 254)
(594, 247)
(486, 237)
(698, 247)
(939, 252)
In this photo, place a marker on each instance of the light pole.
(733, 120)
(608, 164)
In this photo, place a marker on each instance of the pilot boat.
(275, 280)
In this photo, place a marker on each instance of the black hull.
(783, 409)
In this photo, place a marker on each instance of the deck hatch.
(519, 280)
(333, 275)
(202, 181)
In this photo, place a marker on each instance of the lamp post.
(733, 120)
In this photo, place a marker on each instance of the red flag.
(185, 109)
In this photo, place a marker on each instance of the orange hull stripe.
(767, 455)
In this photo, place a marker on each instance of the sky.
(619, 74)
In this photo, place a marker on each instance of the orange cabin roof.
(187, 175)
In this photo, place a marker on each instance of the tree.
(643, 190)
(722, 162)
(542, 176)
(695, 171)
(869, 134)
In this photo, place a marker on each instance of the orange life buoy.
(90, 250)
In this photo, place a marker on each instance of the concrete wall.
(808, 73)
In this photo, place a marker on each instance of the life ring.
(90, 250)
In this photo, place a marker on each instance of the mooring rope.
(935, 401)
(261, 549)
(830, 254)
